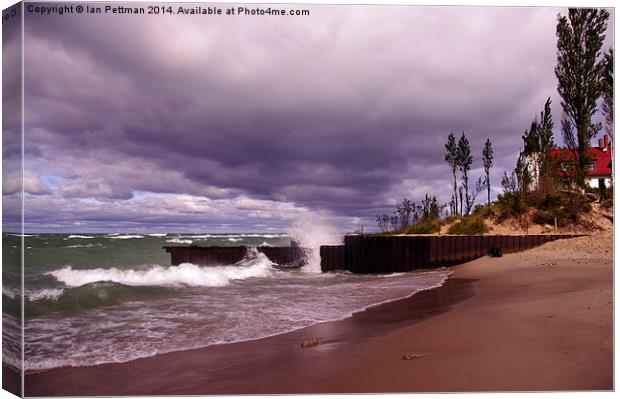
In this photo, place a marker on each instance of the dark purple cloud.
(342, 113)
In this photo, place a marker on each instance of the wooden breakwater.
(391, 254)
(216, 256)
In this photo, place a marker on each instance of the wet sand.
(531, 321)
(11, 380)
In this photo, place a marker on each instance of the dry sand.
(531, 321)
(542, 321)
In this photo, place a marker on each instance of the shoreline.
(516, 323)
(373, 321)
(12, 368)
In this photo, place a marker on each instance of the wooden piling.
(389, 254)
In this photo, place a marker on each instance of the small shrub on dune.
(484, 211)
(429, 226)
(450, 220)
(549, 216)
(468, 225)
(511, 205)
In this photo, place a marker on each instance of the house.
(600, 171)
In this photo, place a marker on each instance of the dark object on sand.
(310, 342)
(414, 355)
(495, 252)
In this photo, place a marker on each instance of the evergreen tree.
(547, 172)
(578, 70)
(531, 142)
(539, 139)
(523, 174)
(545, 129)
(487, 163)
(607, 83)
(464, 161)
(452, 159)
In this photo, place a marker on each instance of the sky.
(145, 123)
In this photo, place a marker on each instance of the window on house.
(592, 165)
(566, 166)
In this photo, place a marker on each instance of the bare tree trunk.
(456, 201)
(466, 188)
(488, 189)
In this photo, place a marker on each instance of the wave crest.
(183, 275)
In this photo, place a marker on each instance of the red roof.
(600, 156)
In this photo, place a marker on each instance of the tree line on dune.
(548, 186)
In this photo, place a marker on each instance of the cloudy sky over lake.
(249, 123)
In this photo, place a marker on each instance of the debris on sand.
(310, 342)
(415, 355)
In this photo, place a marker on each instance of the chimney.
(606, 140)
(600, 144)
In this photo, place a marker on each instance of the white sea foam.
(11, 292)
(157, 234)
(11, 341)
(79, 236)
(125, 237)
(232, 239)
(49, 294)
(85, 245)
(235, 313)
(185, 274)
(179, 241)
(244, 235)
(312, 230)
(33, 295)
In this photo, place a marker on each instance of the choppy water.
(92, 299)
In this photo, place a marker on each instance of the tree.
(578, 70)
(509, 183)
(539, 139)
(607, 87)
(404, 211)
(523, 174)
(464, 161)
(382, 222)
(531, 141)
(452, 159)
(547, 172)
(487, 163)
(428, 209)
(471, 196)
(545, 129)
(394, 222)
(537, 142)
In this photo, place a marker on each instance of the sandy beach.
(531, 321)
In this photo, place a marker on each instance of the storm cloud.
(238, 123)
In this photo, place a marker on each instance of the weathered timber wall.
(213, 256)
(332, 257)
(390, 254)
(372, 254)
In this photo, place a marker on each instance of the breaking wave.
(179, 241)
(183, 275)
(84, 245)
(33, 295)
(312, 230)
(125, 237)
